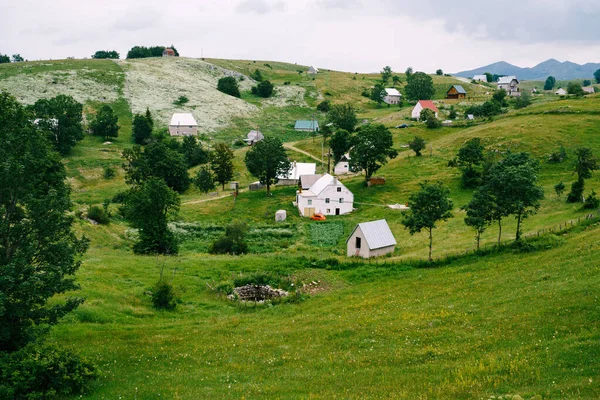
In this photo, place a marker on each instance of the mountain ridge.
(560, 70)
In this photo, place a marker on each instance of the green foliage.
(426, 114)
(109, 173)
(499, 97)
(324, 106)
(558, 156)
(326, 233)
(373, 146)
(586, 82)
(378, 93)
(164, 296)
(439, 72)
(4, 59)
(419, 87)
(591, 202)
(452, 114)
(106, 54)
(193, 152)
(575, 89)
(145, 52)
(417, 145)
(38, 248)
(264, 89)
(489, 77)
(340, 143)
(432, 122)
(427, 206)
(181, 100)
(229, 85)
(266, 160)
(550, 83)
(149, 206)
(481, 212)
(408, 72)
(221, 163)
(396, 80)
(559, 188)
(159, 161)
(60, 118)
(105, 124)
(576, 193)
(343, 116)
(470, 156)
(585, 163)
(523, 100)
(204, 180)
(233, 242)
(98, 214)
(257, 75)
(44, 371)
(597, 75)
(386, 74)
(487, 109)
(141, 129)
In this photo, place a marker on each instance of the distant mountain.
(560, 70)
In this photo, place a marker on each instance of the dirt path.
(290, 146)
(219, 197)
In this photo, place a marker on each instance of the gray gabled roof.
(459, 89)
(308, 180)
(377, 234)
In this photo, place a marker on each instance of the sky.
(346, 35)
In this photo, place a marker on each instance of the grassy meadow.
(512, 321)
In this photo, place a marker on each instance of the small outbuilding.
(456, 92)
(183, 124)
(254, 137)
(561, 92)
(480, 78)
(343, 166)
(588, 90)
(392, 96)
(280, 216)
(313, 70)
(307, 126)
(371, 239)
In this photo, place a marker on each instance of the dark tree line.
(107, 54)
(146, 52)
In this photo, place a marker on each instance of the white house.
(183, 124)
(327, 196)
(254, 137)
(371, 239)
(392, 96)
(296, 171)
(480, 78)
(561, 92)
(421, 105)
(510, 84)
(343, 166)
(589, 89)
(313, 70)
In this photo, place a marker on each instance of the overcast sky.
(347, 35)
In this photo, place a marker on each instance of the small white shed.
(561, 92)
(313, 70)
(371, 239)
(280, 216)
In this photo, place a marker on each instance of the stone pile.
(257, 293)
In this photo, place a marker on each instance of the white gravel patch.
(157, 82)
(28, 88)
(286, 95)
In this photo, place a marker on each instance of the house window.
(341, 199)
(340, 189)
(309, 202)
(358, 243)
(326, 201)
(328, 211)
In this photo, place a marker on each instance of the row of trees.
(112, 54)
(145, 52)
(5, 59)
(419, 85)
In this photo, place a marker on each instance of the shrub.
(98, 214)
(263, 89)
(257, 75)
(181, 101)
(234, 241)
(43, 371)
(228, 85)
(120, 197)
(109, 173)
(576, 193)
(433, 123)
(591, 202)
(324, 106)
(471, 178)
(558, 156)
(164, 296)
(452, 114)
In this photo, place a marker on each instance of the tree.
(597, 75)
(575, 89)
(585, 164)
(480, 212)
(523, 100)
(324, 106)
(149, 118)
(204, 180)
(452, 113)
(427, 206)
(408, 73)
(559, 188)
(266, 160)
(229, 85)
(386, 74)
(419, 87)
(373, 146)
(417, 145)
(62, 121)
(263, 89)
(149, 206)
(340, 143)
(378, 93)
(105, 123)
(439, 72)
(396, 80)
(586, 82)
(470, 156)
(4, 59)
(106, 54)
(499, 97)
(221, 163)
(17, 58)
(233, 242)
(550, 83)
(343, 116)
(513, 183)
(257, 75)
(156, 161)
(144, 52)
(39, 252)
(193, 152)
(488, 77)
(141, 129)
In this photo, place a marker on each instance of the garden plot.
(81, 85)
(158, 82)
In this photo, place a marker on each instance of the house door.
(309, 212)
(358, 243)
(337, 211)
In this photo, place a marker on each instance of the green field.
(468, 326)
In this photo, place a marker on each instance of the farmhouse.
(561, 92)
(392, 96)
(589, 89)
(327, 196)
(343, 166)
(296, 171)
(371, 239)
(456, 92)
(183, 124)
(313, 70)
(254, 137)
(480, 78)
(168, 52)
(306, 181)
(510, 84)
(307, 126)
(422, 104)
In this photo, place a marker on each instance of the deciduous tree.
(204, 179)
(343, 116)
(470, 156)
(481, 212)
(417, 145)
(340, 143)
(193, 152)
(585, 164)
(550, 82)
(373, 146)
(419, 87)
(229, 85)
(141, 129)
(106, 123)
(61, 120)
(378, 93)
(386, 74)
(266, 160)
(221, 163)
(597, 75)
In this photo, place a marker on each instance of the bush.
(558, 156)
(433, 123)
(98, 214)
(234, 241)
(228, 85)
(576, 193)
(43, 371)
(109, 173)
(591, 202)
(120, 197)
(263, 89)
(164, 296)
(257, 75)
(181, 101)
(324, 106)
(471, 178)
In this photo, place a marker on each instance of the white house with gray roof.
(183, 124)
(392, 96)
(327, 196)
(510, 84)
(371, 239)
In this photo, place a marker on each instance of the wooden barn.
(456, 92)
